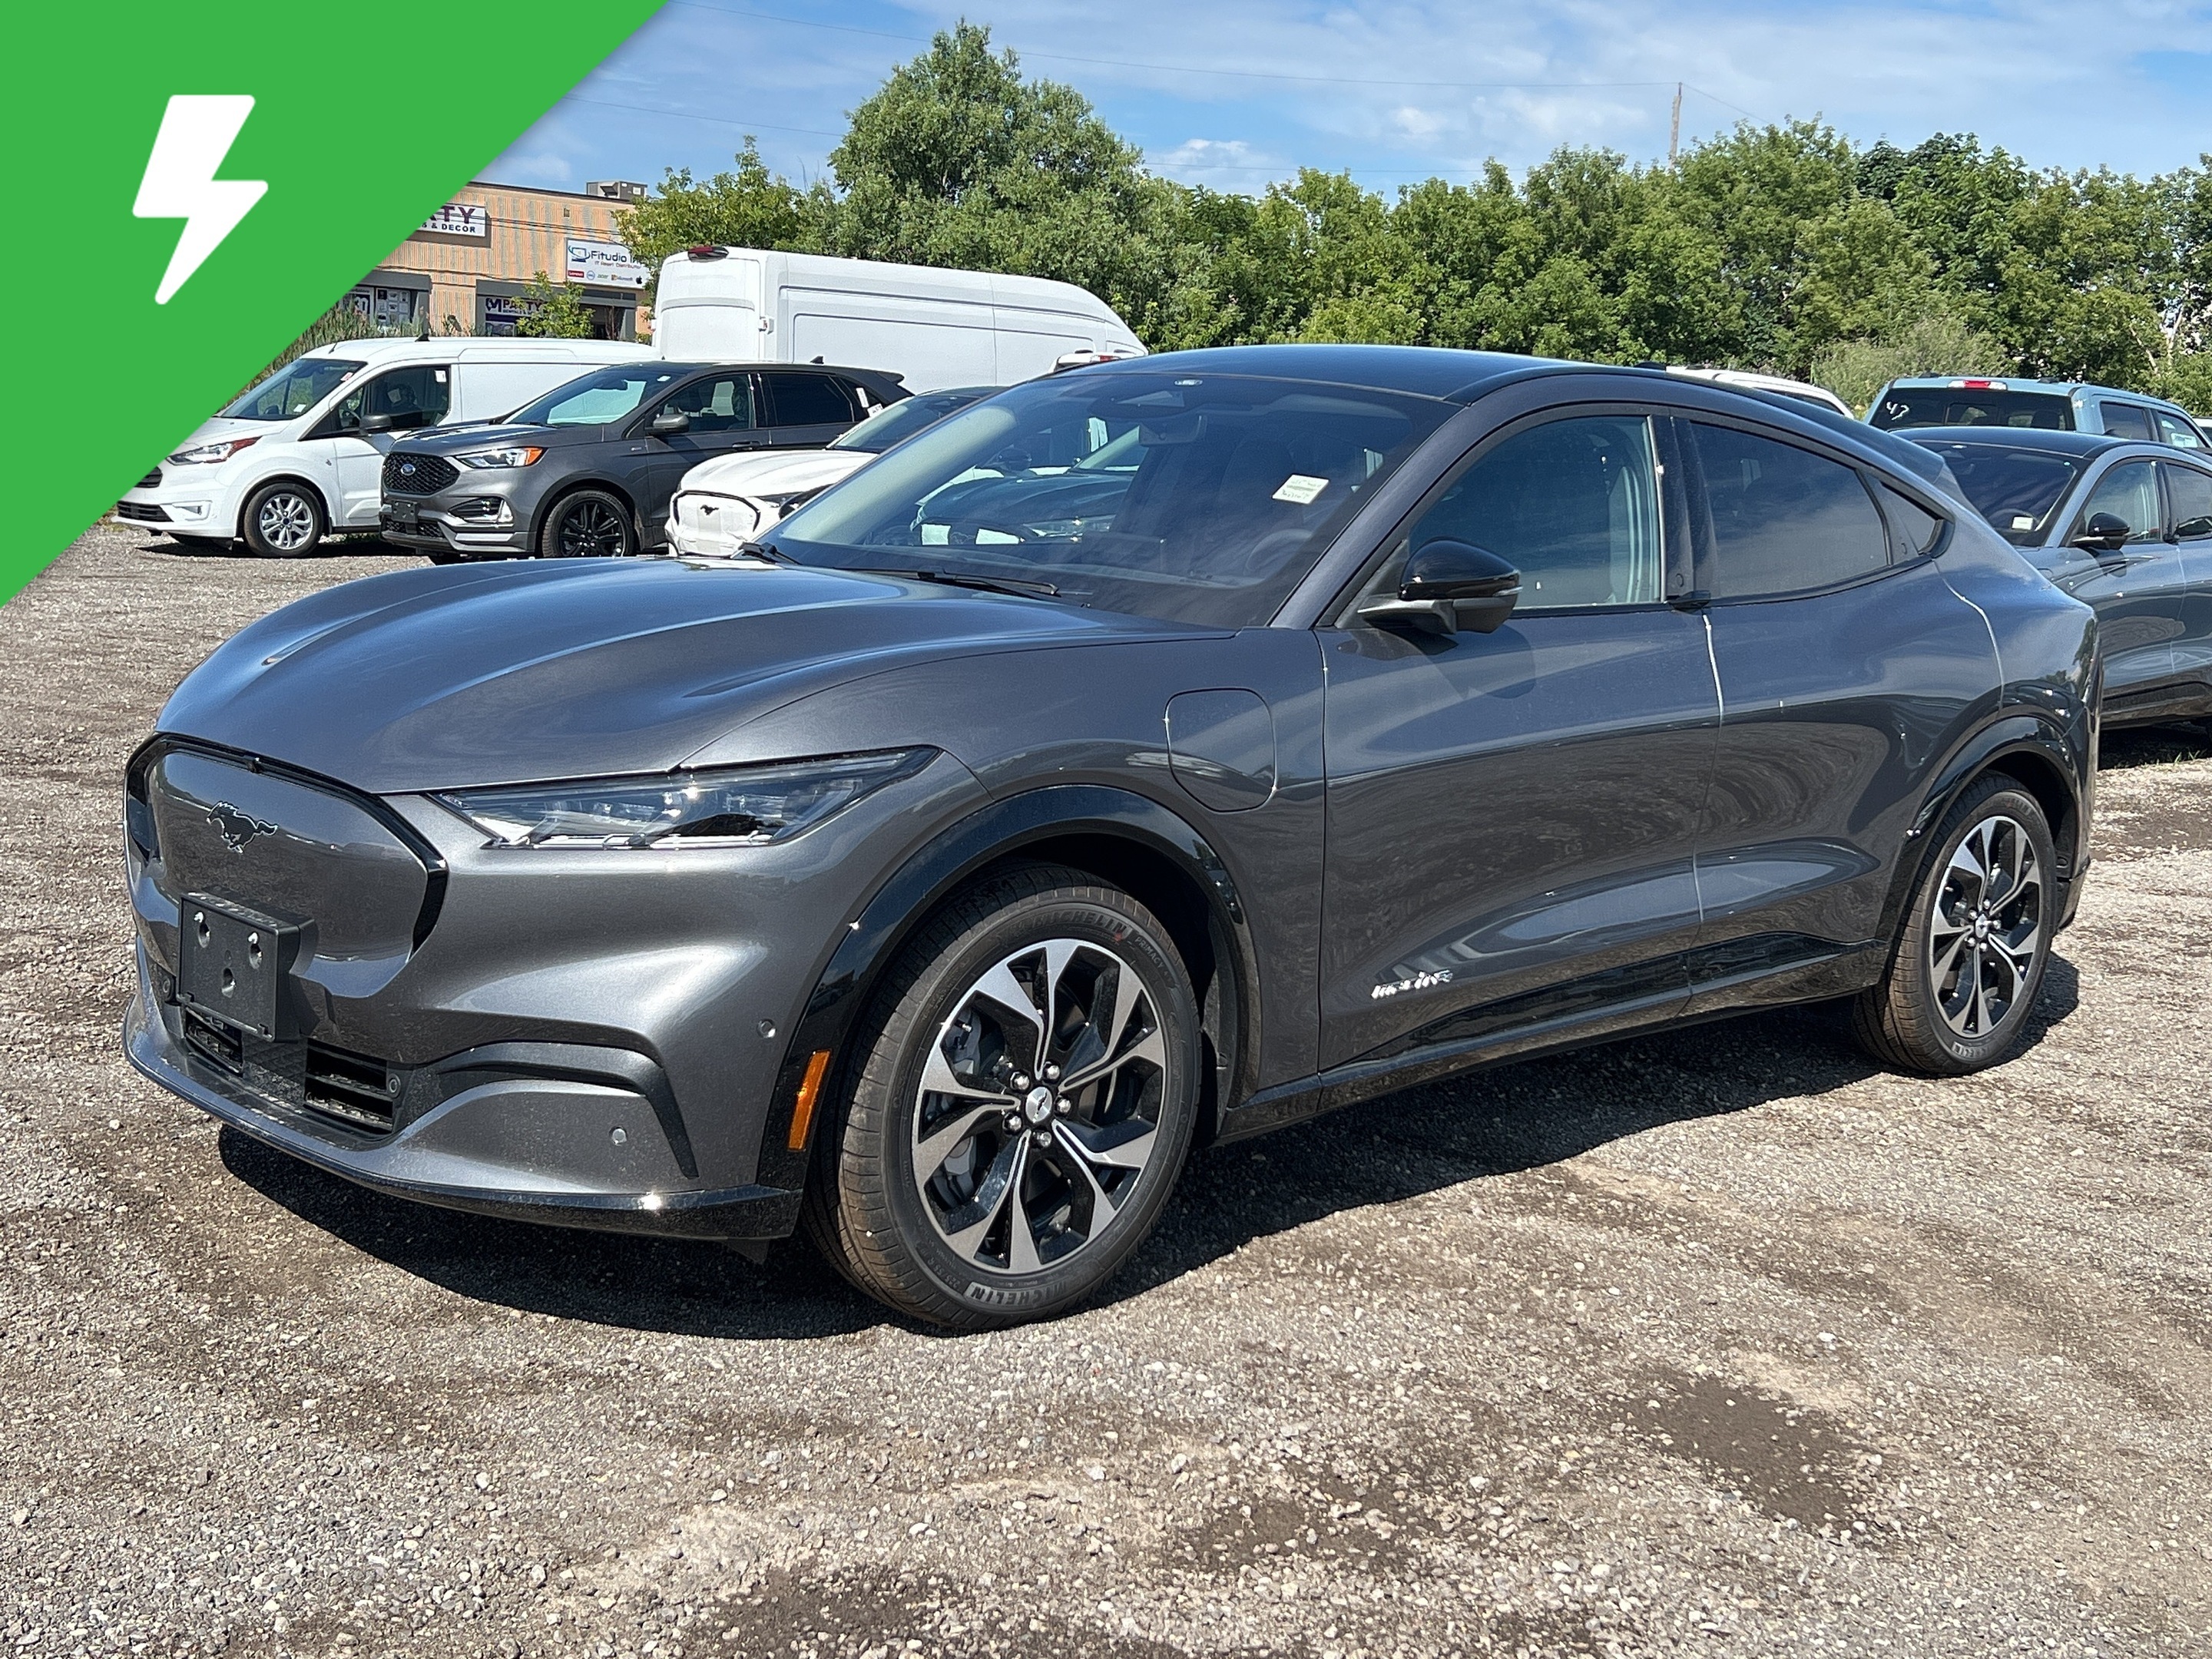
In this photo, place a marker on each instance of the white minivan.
(300, 456)
(932, 328)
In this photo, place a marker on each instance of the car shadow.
(2155, 745)
(1485, 1124)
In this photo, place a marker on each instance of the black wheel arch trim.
(2014, 731)
(992, 833)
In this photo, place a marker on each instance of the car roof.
(1421, 371)
(2024, 437)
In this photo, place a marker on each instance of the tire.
(926, 1199)
(588, 525)
(1968, 960)
(284, 521)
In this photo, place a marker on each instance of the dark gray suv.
(1153, 755)
(587, 470)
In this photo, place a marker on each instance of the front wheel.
(1969, 962)
(284, 521)
(588, 525)
(1022, 1109)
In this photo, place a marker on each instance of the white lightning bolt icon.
(197, 133)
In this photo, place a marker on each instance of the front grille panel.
(141, 512)
(352, 1088)
(151, 481)
(355, 1090)
(418, 475)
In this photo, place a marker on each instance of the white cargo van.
(302, 455)
(932, 328)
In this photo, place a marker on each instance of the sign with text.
(605, 264)
(459, 219)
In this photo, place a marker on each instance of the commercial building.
(462, 270)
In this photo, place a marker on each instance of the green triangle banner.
(196, 186)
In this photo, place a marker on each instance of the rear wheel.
(283, 522)
(1969, 963)
(588, 525)
(1022, 1111)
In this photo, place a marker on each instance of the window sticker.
(2023, 521)
(1301, 488)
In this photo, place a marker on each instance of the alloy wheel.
(1988, 927)
(1038, 1108)
(591, 530)
(286, 521)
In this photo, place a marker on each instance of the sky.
(1235, 93)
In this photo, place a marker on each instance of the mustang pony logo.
(1418, 982)
(237, 828)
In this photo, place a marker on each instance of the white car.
(723, 503)
(300, 456)
(1747, 379)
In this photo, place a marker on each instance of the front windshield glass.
(2015, 490)
(294, 389)
(1934, 405)
(903, 420)
(1193, 498)
(594, 399)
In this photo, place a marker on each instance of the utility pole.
(1674, 128)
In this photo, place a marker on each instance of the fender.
(2014, 732)
(872, 942)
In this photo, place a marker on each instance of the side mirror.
(2105, 532)
(377, 423)
(670, 422)
(1450, 587)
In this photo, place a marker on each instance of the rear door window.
(2173, 429)
(809, 400)
(2127, 421)
(1778, 519)
(2189, 494)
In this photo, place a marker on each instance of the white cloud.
(1225, 164)
(543, 166)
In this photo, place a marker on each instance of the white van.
(931, 327)
(302, 455)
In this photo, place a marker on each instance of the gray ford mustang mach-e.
(1155, 754)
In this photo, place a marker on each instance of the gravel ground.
(1719, 1342)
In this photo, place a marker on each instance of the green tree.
(746, 206)
(1938, 343)
(553, 310)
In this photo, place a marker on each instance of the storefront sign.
(605, 264)
(459, 219)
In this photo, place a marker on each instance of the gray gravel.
(1717, 1342)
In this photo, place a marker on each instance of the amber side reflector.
(809, 1091)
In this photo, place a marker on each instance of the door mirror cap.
(1450, 587)
(670, 420)
(2105, 532)
(377, 423)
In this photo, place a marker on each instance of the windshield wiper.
(763, 550)
(1020, 586)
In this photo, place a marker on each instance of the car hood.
(450, 440)
(439, 678)
(775, 471)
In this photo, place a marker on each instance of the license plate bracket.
(405, 516)
(234, 964)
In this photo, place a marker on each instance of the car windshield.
(2015, 490)
(1199, 498)
(597, 399)
(1938, 405)
(294, 389)
(906, 417)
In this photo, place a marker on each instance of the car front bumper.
(477, 523)
(587, 1038)
(190, 506)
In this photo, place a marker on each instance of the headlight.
(515, 455)
(207, 454)
(742, 806)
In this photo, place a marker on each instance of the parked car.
(724, 503)
(1746, 379)
(935, 328)
(2124, 526)
(587, 470)
(2036, 405)
(1159, 753)
(299, 457)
